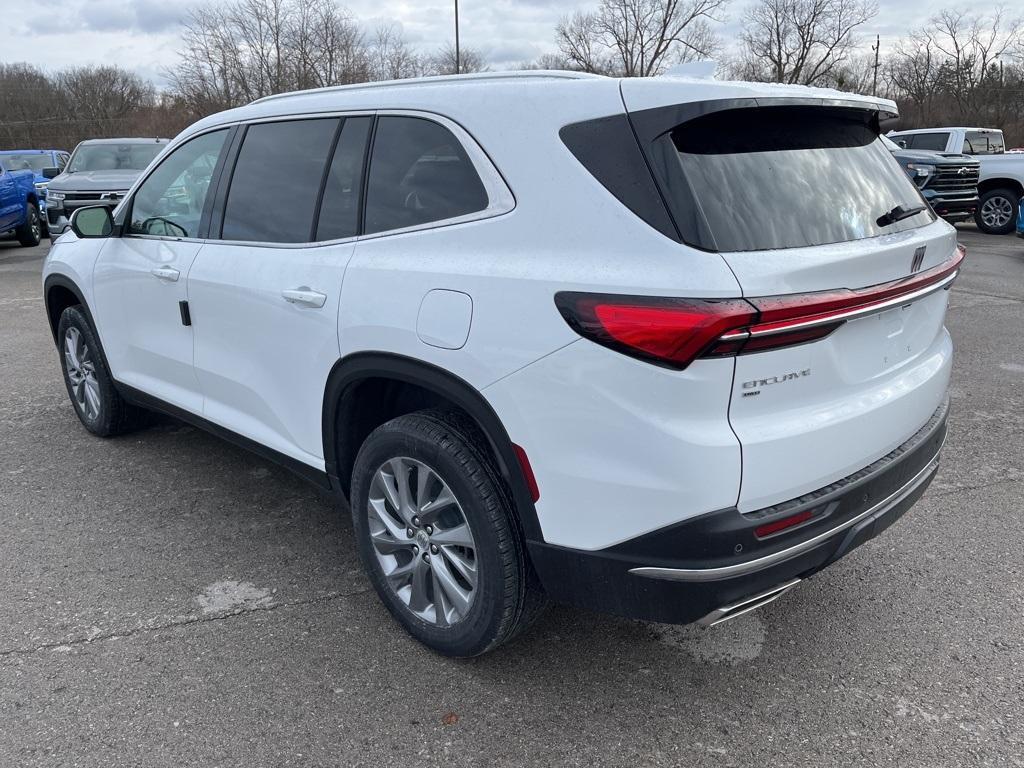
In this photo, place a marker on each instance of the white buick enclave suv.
(657, 347)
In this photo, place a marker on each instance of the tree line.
(964, 66)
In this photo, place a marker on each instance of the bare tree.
(639, 38)
(391, 58)
(801, 41)
(442, 62)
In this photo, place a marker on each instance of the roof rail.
(539, 74)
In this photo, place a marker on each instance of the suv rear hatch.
(847, 357)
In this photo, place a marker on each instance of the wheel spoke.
(442, 606)
(71, 349)
(387, 484)
(401, 471)
(463, 565)
(459, 536)
(380, 512)
(456, 595)
(430, 510)
(418, 598)
(401, 574)
(92, 396)
(387, 544)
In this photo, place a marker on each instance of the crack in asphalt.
(183, 621)
(966, 488)
(1015, 299)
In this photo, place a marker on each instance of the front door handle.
(307, 297)
(170, 274)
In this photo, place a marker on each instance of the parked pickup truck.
(1001, 184)
(45, 163)
(19, 206)
(948, 181)
(100, 172)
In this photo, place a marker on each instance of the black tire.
(113, 416)
(1001, 199)
(31, 232)
(507, 597)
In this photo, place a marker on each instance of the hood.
(98, 181)
(933, 158)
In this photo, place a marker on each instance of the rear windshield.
(113, 157)
(784, 177)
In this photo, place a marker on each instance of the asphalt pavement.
(171, 600)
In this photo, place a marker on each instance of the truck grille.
(954, 178)
(79, 199)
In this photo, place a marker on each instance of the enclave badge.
(918, 260)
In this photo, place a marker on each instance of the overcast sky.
(143, 35)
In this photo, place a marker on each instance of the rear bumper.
(688, 571)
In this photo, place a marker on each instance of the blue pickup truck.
(19, 205)
(45, 163)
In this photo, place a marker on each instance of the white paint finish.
(855, 264)
(620, 447)
(262, 361)
(445, 319)
(139, 320)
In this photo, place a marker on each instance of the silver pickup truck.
(1001, 184)
(99, 172)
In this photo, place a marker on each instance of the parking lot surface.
(170, 600)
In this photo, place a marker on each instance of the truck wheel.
(30, 233)
(997, 211)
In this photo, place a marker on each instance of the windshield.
(26, 162)
(786, 177)
(113, 157)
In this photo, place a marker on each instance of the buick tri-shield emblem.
(918, 260)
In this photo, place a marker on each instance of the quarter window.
(983, 143)
(170, 201)
(419, 173)
(276, 182)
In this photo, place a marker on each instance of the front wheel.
(31, 232)
(90, 386)
(436, 534)
(997, 211)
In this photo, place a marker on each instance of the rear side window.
(936, 142)
(419, 173)
(783, 177)
(276, 181)
(983, 143)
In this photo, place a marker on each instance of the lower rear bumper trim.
(752, 566)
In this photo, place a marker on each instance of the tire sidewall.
(485, 510)
(1006, 228)
(74, 317)
(26, 236)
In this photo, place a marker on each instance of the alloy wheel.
(422, 541)
(81, 368)
(996, 212)
(34, 225)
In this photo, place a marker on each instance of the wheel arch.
(1001, 183)
(345, 424)
(59, 293)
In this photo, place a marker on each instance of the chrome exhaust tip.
(746, 605)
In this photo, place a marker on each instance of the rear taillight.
(674, 332)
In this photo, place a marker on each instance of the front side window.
(934, 142)
(276, 182)
(419, 173)
(786, 177)
(170, 201)
(114, 157)
(983, 143)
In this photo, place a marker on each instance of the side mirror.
(92, 221)
(51, 173)
(903, 144)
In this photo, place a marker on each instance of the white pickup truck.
(1001, 184)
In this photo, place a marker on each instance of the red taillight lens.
(674, 332)
(528, 476)
(669, 332)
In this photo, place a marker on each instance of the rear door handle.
(307, 297)
(170, 274)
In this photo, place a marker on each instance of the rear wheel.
(99, 406)
(997, 211)
(436, 535)
(31, 232)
